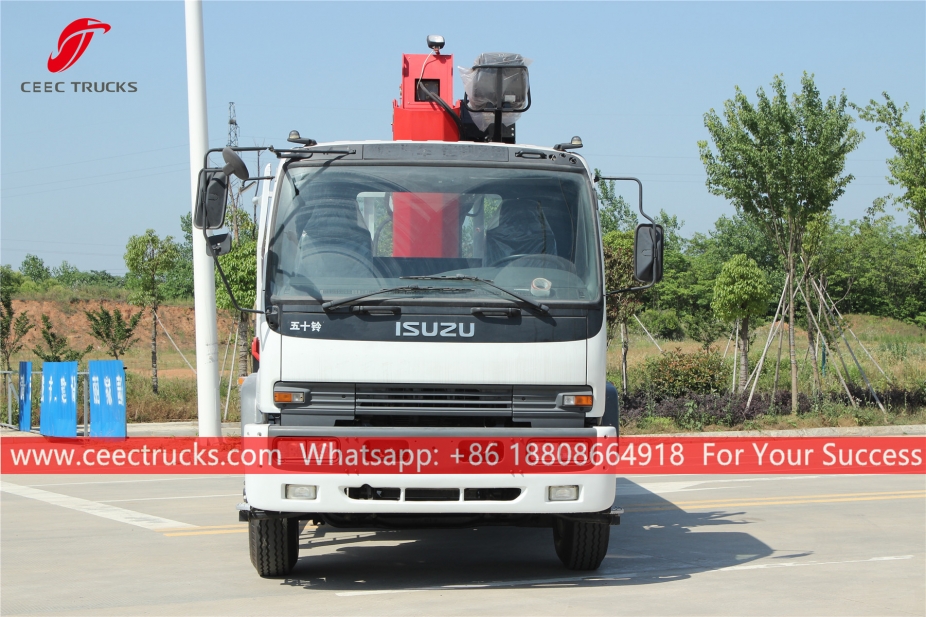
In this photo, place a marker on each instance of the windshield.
(346, 230)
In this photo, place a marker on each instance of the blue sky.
(81, 172)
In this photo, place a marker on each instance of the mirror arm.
(236, 149)
(231, 295)
(652, 232)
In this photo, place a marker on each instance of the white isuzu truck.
(445, 285)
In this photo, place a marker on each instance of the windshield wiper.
(404, 288)
(543, 308)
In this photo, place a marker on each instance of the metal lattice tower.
(232, 126)
(233, 193)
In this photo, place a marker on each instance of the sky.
(81, 172)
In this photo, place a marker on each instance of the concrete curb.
(233, 429)
(152, 429)
(836, 431)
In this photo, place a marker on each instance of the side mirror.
(647, 259)
(234, 164)
(218, 245)
(210, 200)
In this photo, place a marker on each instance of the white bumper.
(267, 491)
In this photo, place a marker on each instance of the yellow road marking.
(237, 526)
(702, 505)
(632, 508)
(811, 496)
(210, 532)
(216, 530)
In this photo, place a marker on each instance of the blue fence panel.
(58, 412)
(25, 396)
(107, 398)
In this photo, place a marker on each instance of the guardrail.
(84, 383)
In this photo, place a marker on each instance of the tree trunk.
(777, 364)
(154, 349)
(625, 345)
(791, 348)
(744, 353)
(813, 338)
(244, 344)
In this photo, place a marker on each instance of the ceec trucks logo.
(73, 42)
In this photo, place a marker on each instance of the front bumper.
(266, 491)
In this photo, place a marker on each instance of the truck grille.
(389, 399)
(430, 405)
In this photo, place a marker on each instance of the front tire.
(580, 545)
(274, 545)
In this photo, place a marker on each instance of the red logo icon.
(73, 42)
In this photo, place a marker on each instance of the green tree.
(618, 274)
(12, 328)
(871, 266)
(112, 330)
(67, 274)
(56, 346)
(908, 168)
(149, 259)
(179, 283)
(704, 327)
(240, 267)
(70, 276)
(688, 286)
(732, 236)
(740, 293)
(34, 269)
(10, 280)
(781, 163)
(614, 212)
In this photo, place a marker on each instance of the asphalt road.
(687, 545)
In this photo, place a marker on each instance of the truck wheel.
(579, 545)
(274, 545)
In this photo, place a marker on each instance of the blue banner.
(58, 412)
(107, 398)
(25, 396)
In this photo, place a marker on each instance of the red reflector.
(255, 348)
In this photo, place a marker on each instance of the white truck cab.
(429, 290)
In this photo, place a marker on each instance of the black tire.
(274, 545)
(580, 546)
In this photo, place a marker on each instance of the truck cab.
(431, 289)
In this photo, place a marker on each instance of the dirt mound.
(68, 319)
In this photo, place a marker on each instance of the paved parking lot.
(691, 545)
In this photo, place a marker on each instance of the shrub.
(695, 411)
(675, 374)
(663, 324)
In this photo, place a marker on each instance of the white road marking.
(86, 506)
(660, 488)
(171, 479)
(761, 566)
(607, 576)
(160, 498)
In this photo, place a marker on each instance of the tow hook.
(243, 509)
(615, 515)
(606, 517)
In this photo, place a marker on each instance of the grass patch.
(725, 413)
(175, 401)
(62, 294)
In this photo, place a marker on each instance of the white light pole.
(207, 344)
